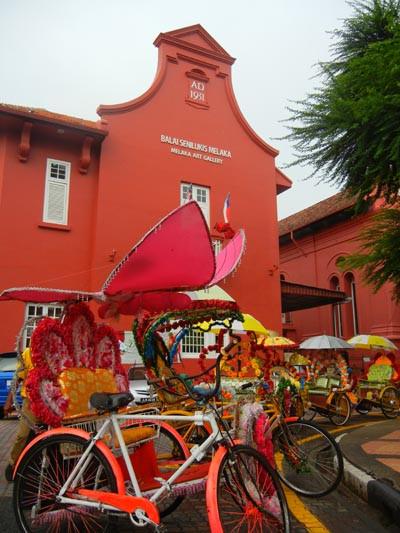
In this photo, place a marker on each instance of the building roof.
(296, 296)
(334, 204)
(44, 115)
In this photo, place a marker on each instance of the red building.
(311, 242)
(75, 195)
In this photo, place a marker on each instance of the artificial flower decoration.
(47, 401)
(49, 348)
(79, 327)
(107, 353)
(72, 348)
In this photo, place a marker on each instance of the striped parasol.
(372, 342)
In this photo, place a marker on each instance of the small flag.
(227, 208)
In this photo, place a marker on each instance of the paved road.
(339, 512)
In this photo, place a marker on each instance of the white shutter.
(56, 192)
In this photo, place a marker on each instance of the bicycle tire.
(341, 409)
(244, 493)
(390, 402)
(308, 459)
(42, 473)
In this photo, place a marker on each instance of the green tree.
(348, 130)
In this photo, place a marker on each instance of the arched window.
(337, 324)
(350, 290)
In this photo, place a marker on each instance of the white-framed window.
(198, 193)
(194, 341)
(37, 311)
(56, 192)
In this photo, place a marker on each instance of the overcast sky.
(69, 56)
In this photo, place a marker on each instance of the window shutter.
(56, 202)
(56, 192)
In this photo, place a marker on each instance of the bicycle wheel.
(244, 494)
(308, 459)
(339, 409)
(390, 402)
(42, 473)
(169, 448)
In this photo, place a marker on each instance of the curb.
(376, 492)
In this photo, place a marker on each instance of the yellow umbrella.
(372, 342)
(249, 324)
(274, 341)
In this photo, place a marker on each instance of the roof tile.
(329, 206)
(58, 118)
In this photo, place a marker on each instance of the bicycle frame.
(197, 453)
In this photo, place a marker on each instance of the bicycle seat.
(110, 401)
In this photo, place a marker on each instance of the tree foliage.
(348, 128)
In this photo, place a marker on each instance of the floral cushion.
(78, 384)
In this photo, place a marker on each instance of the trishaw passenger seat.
(322, 382)
(104, 401)
(334, 382)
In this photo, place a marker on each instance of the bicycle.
(308, 459)
(68, 478)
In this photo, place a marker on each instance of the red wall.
(140, 178)
(31, 253)
(312, 261)
(136, 180)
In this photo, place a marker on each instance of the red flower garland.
(47, 402)
(48, 347)
(107, 353)
(79, 326)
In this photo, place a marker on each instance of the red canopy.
(176, 254)
(229, 257)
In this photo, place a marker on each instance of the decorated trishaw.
(327, 390)
(381, 388)
(101, 459)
